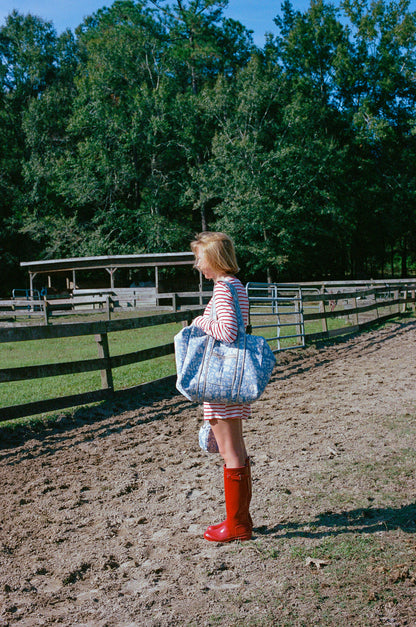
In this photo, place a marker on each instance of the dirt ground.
(102, 514)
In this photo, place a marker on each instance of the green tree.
(134, 133)
(160, 117)
(203, 44)
(45, 219)
(381, 102)
(27, 66)
(113, 174)
(275, 177)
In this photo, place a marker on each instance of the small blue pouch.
(207, 440)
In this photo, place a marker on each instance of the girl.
(215, 258)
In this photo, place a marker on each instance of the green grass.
(348, 551)
(355, 548)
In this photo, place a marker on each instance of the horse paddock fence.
(288, 315)
(292, 315)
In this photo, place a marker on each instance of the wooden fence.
(105, 363)
(362, 307)
(381, 301)
(338, 308)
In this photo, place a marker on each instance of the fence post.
(376, 304)
(405, 296)
(186, 322)
(322, 310)
(104, 353)
(275, 306)
(357, 321)
(396, 295)
(298, 313)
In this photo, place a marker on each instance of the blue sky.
(256, 15)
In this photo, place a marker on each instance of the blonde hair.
(218, 249)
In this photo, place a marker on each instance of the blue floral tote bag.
(209, 370)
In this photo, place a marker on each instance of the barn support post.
(31, 277)
(111, 272)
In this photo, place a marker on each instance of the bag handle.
(240, 321)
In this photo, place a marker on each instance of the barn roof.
(153, 260)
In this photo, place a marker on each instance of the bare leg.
(229, 436)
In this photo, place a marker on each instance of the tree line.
(158, 119)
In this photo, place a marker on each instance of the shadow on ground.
(364, 520)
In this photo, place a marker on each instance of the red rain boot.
(237, 525)
(212, 527)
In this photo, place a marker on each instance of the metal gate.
(279, 309)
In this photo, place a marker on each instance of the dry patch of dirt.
(102, 514)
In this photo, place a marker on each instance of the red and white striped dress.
(224, 328)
